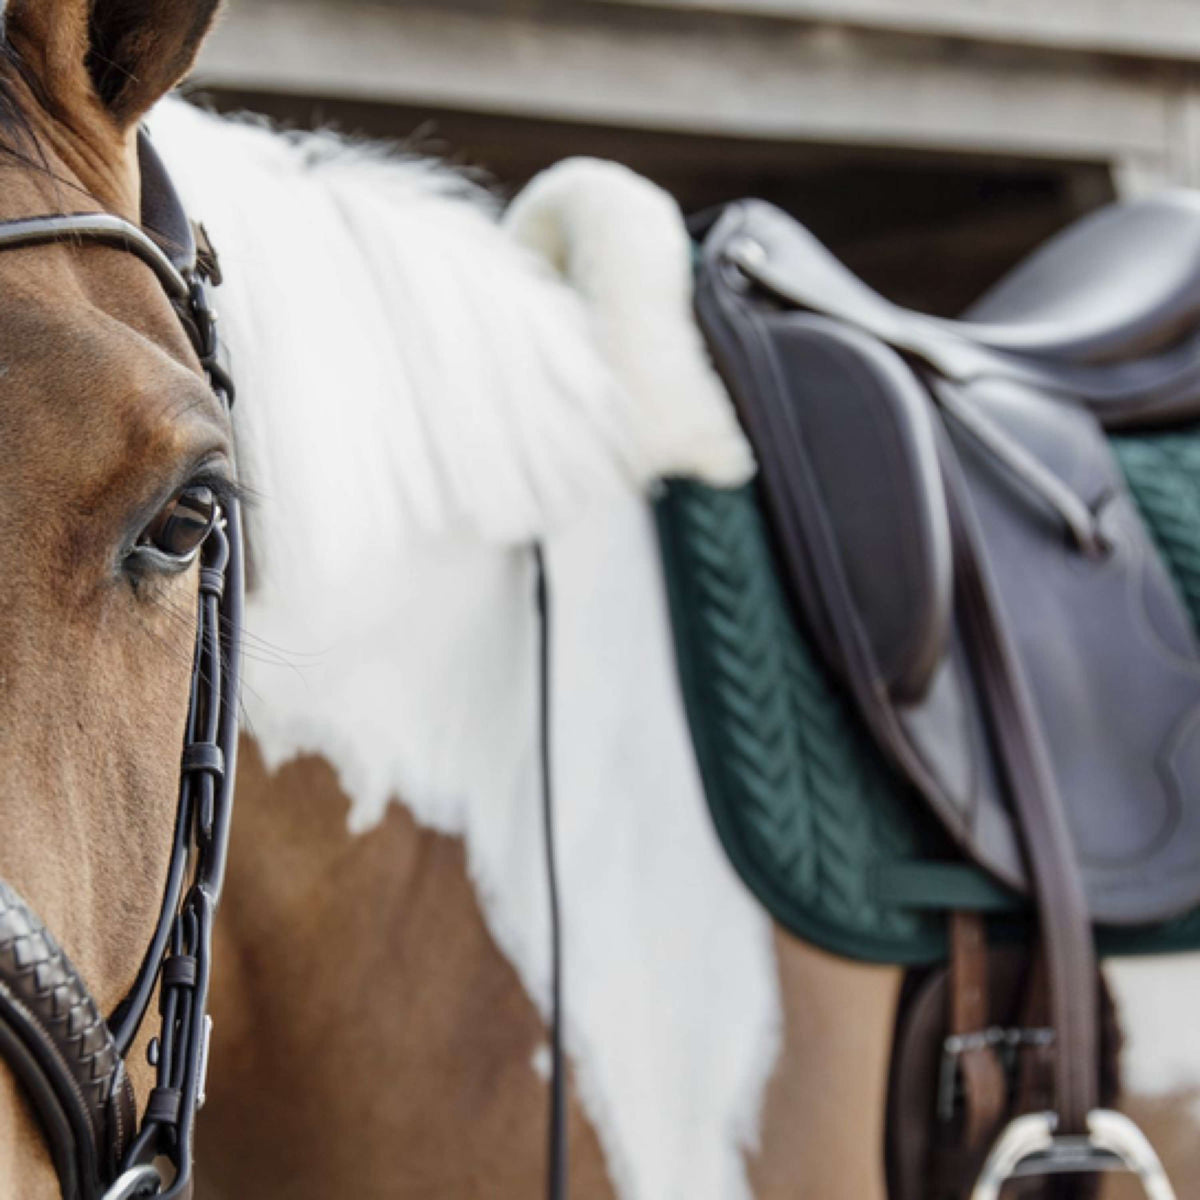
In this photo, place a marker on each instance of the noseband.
(67, 1057)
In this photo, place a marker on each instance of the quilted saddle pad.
(835, 844)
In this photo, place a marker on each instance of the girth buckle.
(1031, 1147)
(1007, 1043)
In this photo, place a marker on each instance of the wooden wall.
(931, 142)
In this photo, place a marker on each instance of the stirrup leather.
(1030, 1147)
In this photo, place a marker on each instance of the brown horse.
(105, 420)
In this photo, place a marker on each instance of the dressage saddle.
(963, 551)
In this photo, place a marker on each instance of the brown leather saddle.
(963, 550)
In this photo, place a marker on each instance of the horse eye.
(180, 528)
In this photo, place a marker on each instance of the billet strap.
(985, 1084)
(973, 1090)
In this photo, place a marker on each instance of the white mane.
(419, 399)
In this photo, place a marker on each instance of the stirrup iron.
(1031, 1147)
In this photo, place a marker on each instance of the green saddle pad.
(836, 844)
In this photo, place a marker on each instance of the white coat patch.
(1156, 998)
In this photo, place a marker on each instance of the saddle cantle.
(961, 546)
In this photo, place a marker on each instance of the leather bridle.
(66, 1056)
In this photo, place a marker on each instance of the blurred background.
(931, 143)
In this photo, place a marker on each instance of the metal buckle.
(208, 261)
(202, 1069)
(1030, 1147)
(135, 1184)
(1008, 1043)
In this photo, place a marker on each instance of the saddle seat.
(1122, 283)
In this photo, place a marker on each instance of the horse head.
(115, 468)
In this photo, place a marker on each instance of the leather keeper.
(164, 1106)
(212, 582)
(180, 971)
(204, 758)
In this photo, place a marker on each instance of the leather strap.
(985, 1084)
(1035, 1076)
(97, 228)
(1054, 869)
(163, 214)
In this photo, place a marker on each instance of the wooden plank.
(1164, 29)
(786, 83)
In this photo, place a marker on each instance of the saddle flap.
(1108, 653)
(864, 425)
(850, 475)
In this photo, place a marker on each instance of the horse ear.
(126, 54)
(139, 49)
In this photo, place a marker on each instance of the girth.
(68, 1059)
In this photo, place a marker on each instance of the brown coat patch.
(370, 1038)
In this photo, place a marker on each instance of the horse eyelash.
(227, 491)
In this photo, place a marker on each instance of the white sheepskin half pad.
(621, 244)
(421, 396)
